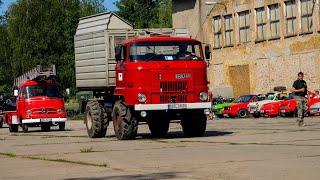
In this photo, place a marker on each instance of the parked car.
(315, 109)
(218, 109)
(289, 107)
(239, 107)
(255, 107)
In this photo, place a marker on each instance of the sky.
(107, 3)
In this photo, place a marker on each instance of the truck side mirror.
(207, 52)
(118, 53)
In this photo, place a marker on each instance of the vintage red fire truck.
(39, 101)
(154, 79)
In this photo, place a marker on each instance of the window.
(217, 32)
(291, 17)
(261, 23)
(228, 24)
(306, 16)
(274, 21)
(244, 27)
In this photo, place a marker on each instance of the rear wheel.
(159, 126)
(96, 120)
(242, 113)
(25, 128)
(256, 115)
(13, 128)
(194, 124)
(62, 126)
(124, 123)
(45, 127)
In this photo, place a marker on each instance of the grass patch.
(86, 150)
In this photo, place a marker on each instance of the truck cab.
(158, 79)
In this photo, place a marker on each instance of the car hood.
(316, 105)
(221, 106)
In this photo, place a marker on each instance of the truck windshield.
(49, 91)
(166, 51)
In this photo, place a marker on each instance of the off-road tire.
(62, 126)
(96, 120)
(124, 123)
(25, 128)
(45, 127)
(13, 128)
(242, 113)
(194, 124)
(159, 127)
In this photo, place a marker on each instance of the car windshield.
(166, 51)
(49, 91)
(242, 99)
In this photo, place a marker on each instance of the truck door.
(120, 67)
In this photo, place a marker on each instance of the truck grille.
(44, 111)
(173, 86)
(170, 98)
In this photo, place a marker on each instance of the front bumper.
(53, 120)
(175, 106)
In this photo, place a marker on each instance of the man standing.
(300, 91)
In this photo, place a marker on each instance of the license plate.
(225, 115)
(45, 120)
(177, 106)
(261, 111)
(283, 111)
(252, 112)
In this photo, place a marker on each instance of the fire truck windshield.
(35, 91)
(166, 51)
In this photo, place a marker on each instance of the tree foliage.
(146, 13)
(41, 32)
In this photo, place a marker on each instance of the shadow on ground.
(151, 176)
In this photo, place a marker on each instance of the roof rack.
(36, 73)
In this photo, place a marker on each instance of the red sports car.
(239, 108)
(289, 107)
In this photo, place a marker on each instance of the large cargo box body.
(95, 41)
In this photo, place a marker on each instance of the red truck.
(39, 101)
(153, 79)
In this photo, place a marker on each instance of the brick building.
(256, 44)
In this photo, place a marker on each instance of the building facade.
(257, 44)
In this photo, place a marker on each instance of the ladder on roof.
(36, 73)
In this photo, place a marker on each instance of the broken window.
(306, 16)
(291, 17)
(261, 23)
(228, 24)
(274, 21)
(244, 27)
(217, 32)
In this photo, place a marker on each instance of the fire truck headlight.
(203, 96)
(142, 98)
(28, 112)
(59, 111)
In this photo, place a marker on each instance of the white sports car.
(254, 107)
(315, 109)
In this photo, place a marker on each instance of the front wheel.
(242, 113)
(13, 128)
(124, 123)
(194, 124)
(256, 115)
(159, 126)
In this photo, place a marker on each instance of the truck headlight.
(28, 112)
(203, 96)
(142, 98)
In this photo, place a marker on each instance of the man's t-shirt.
(298, 84)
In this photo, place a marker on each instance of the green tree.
(146, 13)
(41, 32)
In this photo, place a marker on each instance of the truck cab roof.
(159, 38)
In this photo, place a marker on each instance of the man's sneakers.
(301, 123)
